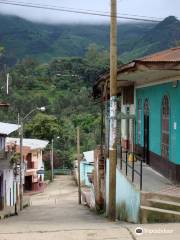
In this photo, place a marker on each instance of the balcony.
(30, 165)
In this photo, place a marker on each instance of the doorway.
(28, 183)
(146, 132)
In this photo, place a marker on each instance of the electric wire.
(84, 12)
(103, 12)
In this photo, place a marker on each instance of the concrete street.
(55, 214)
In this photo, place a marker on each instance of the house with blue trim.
(148, 136)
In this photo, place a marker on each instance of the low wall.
(127, 197)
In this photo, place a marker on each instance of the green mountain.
(22, 38)
(64, 84)
(164, 35)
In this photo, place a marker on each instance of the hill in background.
(22, 38)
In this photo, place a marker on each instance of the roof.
(169, 55)
(152, 68)
(32, 143)
(89, 156)
(7, 128)
(3, 104)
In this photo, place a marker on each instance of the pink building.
(33, 162)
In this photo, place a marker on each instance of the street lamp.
(52, 158)
(42, 109)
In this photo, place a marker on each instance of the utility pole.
(21, 167)
(79, 165)
(52, 160)
(113, 112)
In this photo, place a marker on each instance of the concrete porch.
(160, 198)
(152, 181)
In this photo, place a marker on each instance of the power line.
(104, 12)
(77, 11)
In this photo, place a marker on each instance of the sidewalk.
(10, 211)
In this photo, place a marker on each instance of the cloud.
(151, 8)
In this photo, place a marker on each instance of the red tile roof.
(170, 55)
(3, 104)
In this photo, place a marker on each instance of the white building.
(8, 185)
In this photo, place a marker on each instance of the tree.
(43, 126)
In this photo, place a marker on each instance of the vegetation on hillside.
(44, 43)
(64, 86)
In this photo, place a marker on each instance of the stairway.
(159, 208)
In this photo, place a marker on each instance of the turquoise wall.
(84, 169)
(155, 95)
(127, 197)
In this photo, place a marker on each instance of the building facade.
(9, 182)
(148, 127)
(34, 165)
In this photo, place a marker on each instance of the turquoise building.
(148, 125)
(158, 128)
(86, 168)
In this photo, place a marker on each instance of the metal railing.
(30, 165)
(124, 159)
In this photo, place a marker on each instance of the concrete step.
(157, 215)
(164, 204)
(145, 196)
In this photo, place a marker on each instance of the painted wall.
(127, 197)
(155, 96)
(9, 187)
(38, 164)
(84, 169)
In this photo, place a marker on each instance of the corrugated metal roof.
(7, 128)
(170, 55)
(28, 142)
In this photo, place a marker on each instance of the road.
(55, 214)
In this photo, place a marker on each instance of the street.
(55, 214)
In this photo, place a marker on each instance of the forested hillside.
(56, 65)
(22, 38)
(64, 87)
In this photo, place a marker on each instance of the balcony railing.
(30, 165)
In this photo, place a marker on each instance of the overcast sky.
(151, 8)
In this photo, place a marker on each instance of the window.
(2, 143)
(139, 120)
(165, 128)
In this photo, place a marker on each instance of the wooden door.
(165, 128)
(146, 132)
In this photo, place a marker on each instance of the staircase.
(159, 208)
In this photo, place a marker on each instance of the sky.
(149, 8)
